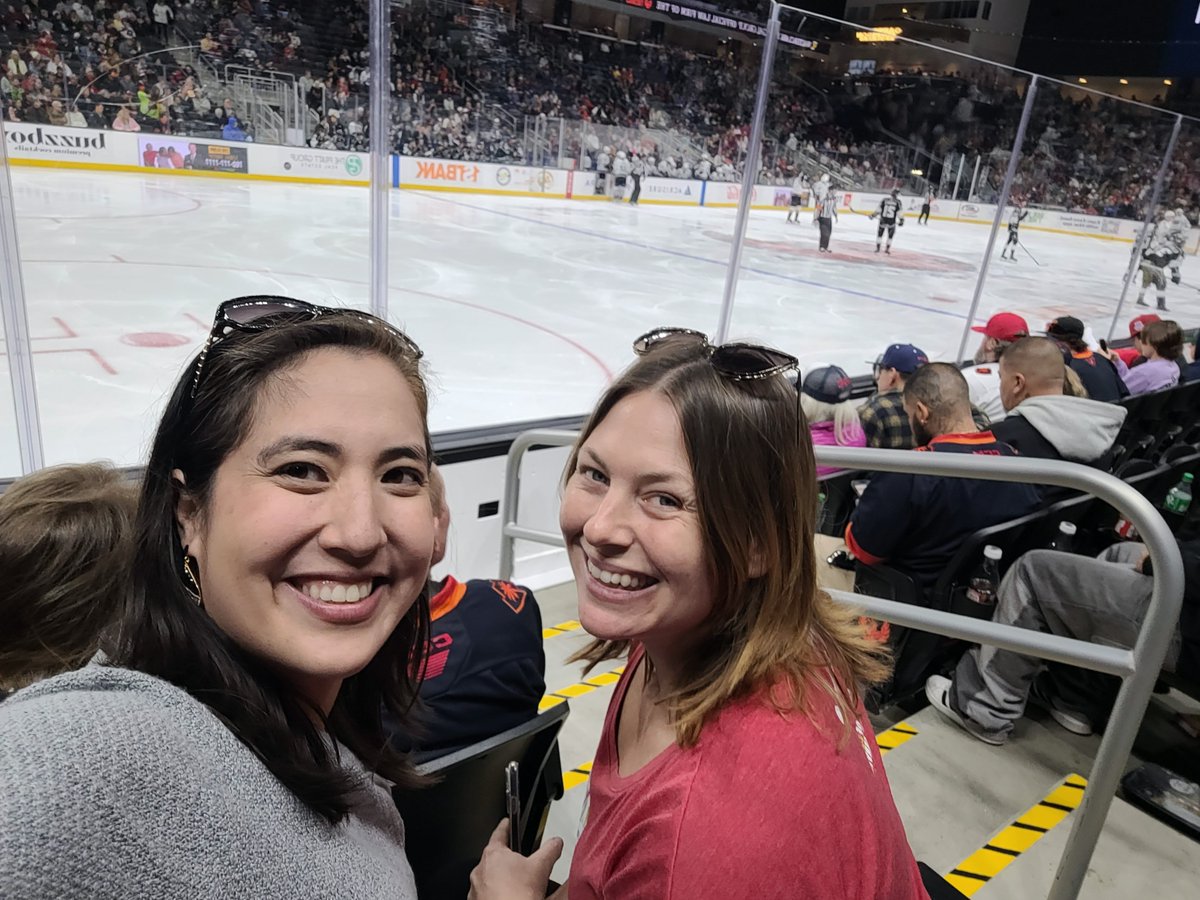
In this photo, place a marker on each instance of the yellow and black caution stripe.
(899, 734)
(604, 679)
(888, 740)
(997, 854)
(560, 628)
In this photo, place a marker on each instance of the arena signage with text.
(66, 144)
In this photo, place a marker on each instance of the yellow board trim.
(970, 875)
(191, 173)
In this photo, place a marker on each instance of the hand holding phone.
(512, 804)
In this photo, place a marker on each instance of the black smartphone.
(512, 805)
(1104, 345)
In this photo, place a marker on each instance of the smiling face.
(632, 529)
(317, 534)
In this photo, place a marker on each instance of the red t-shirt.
(763, 806)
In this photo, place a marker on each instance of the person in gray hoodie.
(1042, 421)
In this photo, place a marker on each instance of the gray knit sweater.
(115, 784)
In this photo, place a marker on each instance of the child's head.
(65, 544)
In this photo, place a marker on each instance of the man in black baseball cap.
(1099, 376)
(883, 417)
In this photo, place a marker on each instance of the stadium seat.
(840, 498)
(1184, 407)
(448, 824)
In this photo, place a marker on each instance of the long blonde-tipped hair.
(752, 465)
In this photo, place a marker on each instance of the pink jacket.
(822, 434)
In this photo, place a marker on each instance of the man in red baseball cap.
(983, 377)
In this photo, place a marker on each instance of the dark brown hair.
(1166, 337)
(66, 537)
(754, 474)
(167, 635)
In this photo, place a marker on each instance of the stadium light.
(1168, 82)
(1124, 81)
(878, 35)
(1083, 81)
(917, 172)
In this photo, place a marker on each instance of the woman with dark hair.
(736, 759)
(230, 744)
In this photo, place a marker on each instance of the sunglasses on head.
(738, 362)
(259, 313)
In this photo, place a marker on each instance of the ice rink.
(525, 308)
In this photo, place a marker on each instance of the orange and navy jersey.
(916, 523)
(485, 671)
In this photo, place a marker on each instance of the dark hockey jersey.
(889, 209)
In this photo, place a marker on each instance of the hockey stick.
(1031, 256)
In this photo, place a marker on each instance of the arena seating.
(465, 82)
(1154, 459)
(459, 811)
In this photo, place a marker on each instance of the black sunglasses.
(738, 362)
(258, 313)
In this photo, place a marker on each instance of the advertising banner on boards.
(163, 152)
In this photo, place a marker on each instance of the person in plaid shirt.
(883, 417)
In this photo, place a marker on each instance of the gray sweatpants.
(1100, 600)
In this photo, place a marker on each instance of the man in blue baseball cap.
(883, 417)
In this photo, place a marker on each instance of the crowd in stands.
(466, 78)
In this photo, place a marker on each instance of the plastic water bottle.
(986, 581)
(1064, 541)
(1179, 500)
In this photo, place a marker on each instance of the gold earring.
(194, 587)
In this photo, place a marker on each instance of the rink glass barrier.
(507, 256)
(931, 121)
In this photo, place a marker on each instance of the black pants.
(826, 226)
(637, 188)
(923, 218)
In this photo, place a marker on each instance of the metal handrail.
(1137, 667)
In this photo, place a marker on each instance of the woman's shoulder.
(103, 716)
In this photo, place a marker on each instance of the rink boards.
(44, 145)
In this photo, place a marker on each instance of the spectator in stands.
(884, 420)
(1162, 343)
(701, 572)
(1102, 601)
(914, 523)
(66, 538)
(1193, 370)
(1043, 421)
(232, 130)
(1098, 374)
(1133, 356)
(983, 378)
(282, 549)
(486, 669)
(832, 419)
(56, 115)
(125, 121)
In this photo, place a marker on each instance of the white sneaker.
(937, 689)
(1074, 722)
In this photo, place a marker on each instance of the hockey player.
(1155, 261)
(890, 211)
(799, 189)
(926, 205)
(1014, 224)
(621, 170)
(603, 168)
(1179, 228)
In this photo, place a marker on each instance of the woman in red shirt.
(736, 759)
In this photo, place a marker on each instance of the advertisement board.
(67, 145)
(159, 151)
(302, 162)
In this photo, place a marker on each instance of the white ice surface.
(524, 308)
